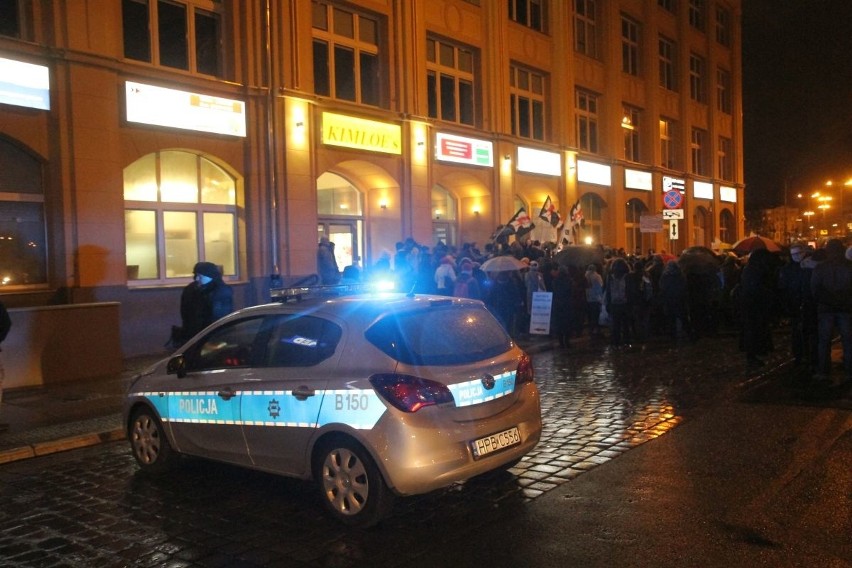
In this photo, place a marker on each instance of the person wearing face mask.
(203, 301)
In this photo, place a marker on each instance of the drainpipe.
(271, 146)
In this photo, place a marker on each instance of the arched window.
(700, 226)
(340, 217)
(635, 239)
(180, 208)
(444, 217)
(593, 231)
(23, 250)
(727, 227)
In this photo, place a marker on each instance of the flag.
(576, 215)
(550, 214)
(575, 221)
(519, 225)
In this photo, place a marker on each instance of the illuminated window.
(668, 78)
(527, 102)
(23, 247)
(183, 35)
(629, 46)
(180, 208)
(668, 143)
(450, 82)
(725, 157)
(530, 13)
(586, 112)
(593, 226)
(444, 216)
(698, 151)
(346, 55)
(630, 125)
(585, 27)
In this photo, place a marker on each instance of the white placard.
(702, 190)
(24, 84)
(539, 162)
(148, 104)
(635, 179)
(542, 303)
(591, 172)
(728, 194)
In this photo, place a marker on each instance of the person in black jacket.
(204, 300)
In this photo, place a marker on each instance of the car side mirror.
(177, 366)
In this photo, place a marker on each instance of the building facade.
(138, 137)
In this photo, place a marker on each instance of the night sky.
(797, 97)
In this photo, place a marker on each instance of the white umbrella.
(502, 264)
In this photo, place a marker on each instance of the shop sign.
(147, 104)
(24, 84)
(590, 172)
(464, 150)
(539, 162)
(635, 179)
(670, 183)
(702, 190)
(361, 134)
(728, 194)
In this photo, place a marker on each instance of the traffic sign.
(673, 235)
(672, 199)
(669, 214)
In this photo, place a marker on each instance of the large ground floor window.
(180, 208)
(23, 244)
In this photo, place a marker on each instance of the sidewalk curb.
(61, 445)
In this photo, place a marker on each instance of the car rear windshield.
(445, 335)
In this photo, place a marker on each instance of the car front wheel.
(351, 486)
(148, 442)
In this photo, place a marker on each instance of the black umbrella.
(699, 260)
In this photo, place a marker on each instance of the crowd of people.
(627, 299)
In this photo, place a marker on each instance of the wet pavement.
(569, 500)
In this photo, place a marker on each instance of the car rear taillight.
(409, 393)
(525, 372)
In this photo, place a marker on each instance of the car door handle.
(227, 393)
(303, 392)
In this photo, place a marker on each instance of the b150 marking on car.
(357, 408)
(474, 392)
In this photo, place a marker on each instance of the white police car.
(370, 395)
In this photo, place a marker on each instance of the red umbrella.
(754, 242)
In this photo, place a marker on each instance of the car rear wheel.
(351, 486)
(149, 444)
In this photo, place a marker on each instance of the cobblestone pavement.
(91, 507)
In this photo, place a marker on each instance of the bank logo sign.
(462, 150)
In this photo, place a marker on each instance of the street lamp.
(807, 215)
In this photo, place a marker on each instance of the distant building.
(139, 137)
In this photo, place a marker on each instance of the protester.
(674, 302)
(560, 316)
(445, 276)
(204, 300)
(594, 298)
(327, 267)
(5, 326)
(466, 285)
(618, 303)
(791, 288)
(758, 302)
(831, 285)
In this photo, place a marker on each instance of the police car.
(370, 395)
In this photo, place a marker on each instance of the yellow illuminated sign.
(361, 134)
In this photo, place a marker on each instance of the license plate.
(495, 442)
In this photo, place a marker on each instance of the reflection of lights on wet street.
(595, 407)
